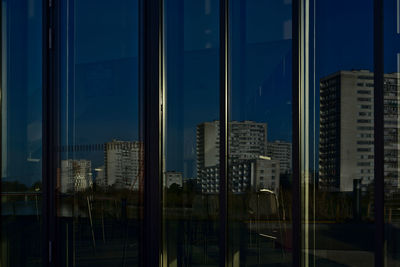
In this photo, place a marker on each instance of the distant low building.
(100, 176)
(173, 177)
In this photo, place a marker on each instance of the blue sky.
(100, 69)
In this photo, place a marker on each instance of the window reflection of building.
(249, 167)
(247, 140)
(207, 145)
(123, 164)
(281, 151)
(76, 175)
(244, 176)
(100, 176)
(391, 132)
(346, 144)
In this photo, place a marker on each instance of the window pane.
(338, 134)
(191, 133)
(21, 131)
(260, 133)
(101, 160)
(391, 89)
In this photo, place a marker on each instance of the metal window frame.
(151, 82)
(50, 128)
(296, 195)
(1, 126)
(224, 89)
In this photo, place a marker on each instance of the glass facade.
(21, 133)
(337, 179)
(100, 155)
(191, 133)
(260, 133)
(199, 133)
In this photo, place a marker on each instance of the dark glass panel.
(191, 133)
(260, 133)
(338, 133)
(101, 156)
(21, 133)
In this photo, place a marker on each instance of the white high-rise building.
(346, 142)
(123, 164)
(76, 175)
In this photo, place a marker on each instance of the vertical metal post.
(379, 132)
(224, 120)
(50, 128)
(46, 210)
(296, 202)
(150, 81)
(1, 128)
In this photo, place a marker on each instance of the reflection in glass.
(191, 133)
(101, 156)
(338, 171)
(21, 133)
(391, 89)
(260, 134)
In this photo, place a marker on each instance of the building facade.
(346, 141)
(76, 175)
(244, 176)
(123, 164)
(247, 140)
(282, 152)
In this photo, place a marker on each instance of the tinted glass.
(21, 132)
(337, 133)
(191, 133)
(101, 156)
(260, 134)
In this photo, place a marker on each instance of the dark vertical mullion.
(46, 172)
(150, 53)
(224, 119)
(296, 202)
(50, 105)
(379, 132)
(1, 124)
